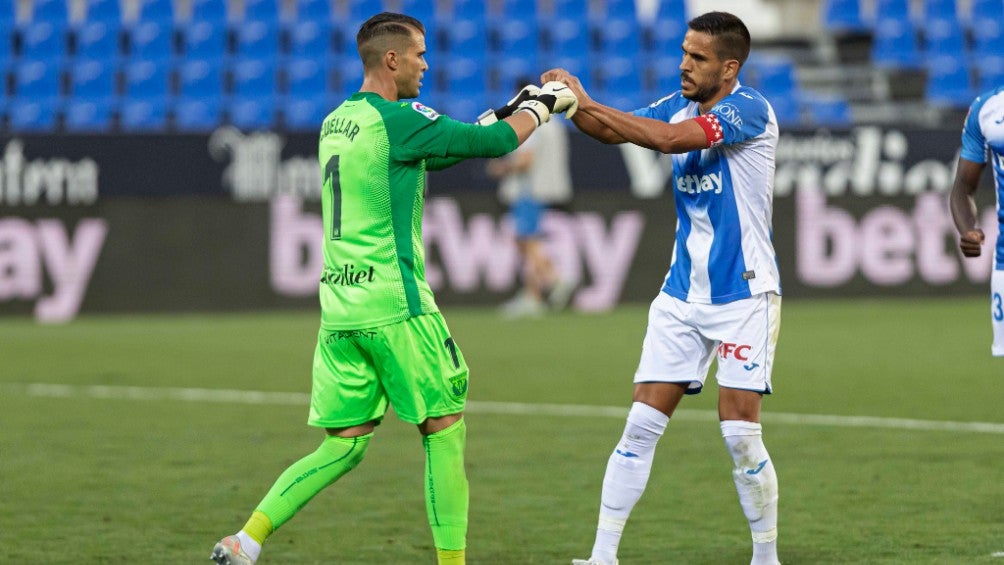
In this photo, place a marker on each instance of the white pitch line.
(259, 397)
(997, 554)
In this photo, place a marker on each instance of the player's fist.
(564, 100)
(971, 242)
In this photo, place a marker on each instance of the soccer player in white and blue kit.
(722, 296)
(983, 139)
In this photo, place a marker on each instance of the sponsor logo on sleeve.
(424, 110)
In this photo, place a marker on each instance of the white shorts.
(682, 338)
(997, 311)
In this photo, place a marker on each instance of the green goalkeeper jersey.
(373, 155)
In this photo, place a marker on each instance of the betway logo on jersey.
(696, 184)
(348, 275)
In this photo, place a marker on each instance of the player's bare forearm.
(646, 132)
(963, 206)
(594, 129)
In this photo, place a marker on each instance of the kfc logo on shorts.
(737, 351)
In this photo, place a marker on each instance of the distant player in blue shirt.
(722, 295)
(982, 139)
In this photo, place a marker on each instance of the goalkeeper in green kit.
(382, 341)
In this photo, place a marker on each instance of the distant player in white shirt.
(982, 139)
(722, 295)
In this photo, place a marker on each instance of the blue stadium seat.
(667, 36)
(517, 37)
(44, 41)
(212, 11)
(895, 44)
(104, 11)
(991, 72)
(8, 14)
(423, 10)
(204, 40)
(829, 111)
(940, 9)
(161, 11)
(37, 79)
(358, 11)
(200, 78)
(89, 114)
(151, 39)
(621, 74)
(619, 36)
(146, 78)
(253, 112)
(6, 49)
(464, 77)
(774, 76)
(466, 10)
(944, 36)
(313, 10)
(619, 9)
(467, 37)
(310, 38)
(843, 16)
(518, 9)
(93, 78)
(144, 114)
(257, 39)
(33, 115)
(305, 113)
(305, 76)
(948, 82)
(983, 10)
(664, 74)
(510, 69)
(350, 77)
(197, 114)
(255, 77)
(559, 9)
(672, 9)
(262, 10)
(52, 11)
(787, 110)
(99, 40)
(461, 108)
(576, 65)
(37, 96)
(568, 37)
(147, 89)
(892, 9)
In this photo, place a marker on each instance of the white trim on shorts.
(997, 312)
(683, 338)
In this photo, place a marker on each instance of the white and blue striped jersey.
(724, 199)
(983, 136)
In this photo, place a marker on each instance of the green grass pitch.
(121, 474)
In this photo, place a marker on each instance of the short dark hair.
(378, 34)
(732, 38)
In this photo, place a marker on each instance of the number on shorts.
(451, 346)
(997, 309)
(332, 182)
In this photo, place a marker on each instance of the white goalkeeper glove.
(565, 100)
(554, 97)
(490, 116)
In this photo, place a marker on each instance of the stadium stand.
(185, 65)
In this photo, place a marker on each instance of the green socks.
(302, 480)
(446, 490)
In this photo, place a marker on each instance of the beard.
(703, 93)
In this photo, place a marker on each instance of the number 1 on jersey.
(332, 182)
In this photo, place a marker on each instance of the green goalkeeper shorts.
(414, 366)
